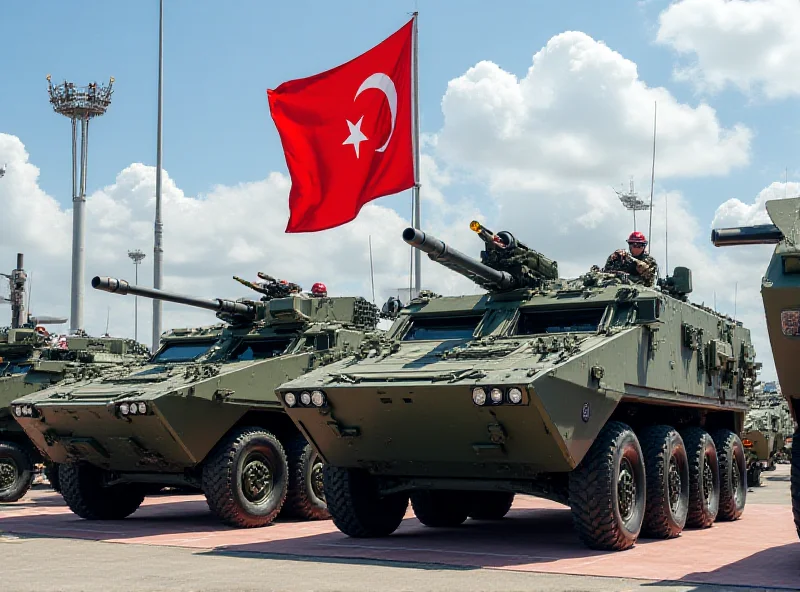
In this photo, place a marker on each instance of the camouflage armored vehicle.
(29, 363)
(623, 402)
(768, 429)
(31, 360)
(203, 413)
(780, 291)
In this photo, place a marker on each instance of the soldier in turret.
(637, 263)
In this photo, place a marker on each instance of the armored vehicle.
(768, 429)
(29, 363)
(31, 360)
(203, 412)
(622, 401)
(780, 292)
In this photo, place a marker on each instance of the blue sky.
(218, 64)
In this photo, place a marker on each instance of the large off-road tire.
(306, 494)
(440, 508)
(490, 505)
(83, 488)
(667, 473)
(245, 478)
(795, 480)
(356, 506)
(607, 490)
(51, 472)
(732, 475)
(16, 472)
(703, 478)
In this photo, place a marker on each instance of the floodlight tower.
(137, 257)
(631, 202)
(16, 283)
(79, 103)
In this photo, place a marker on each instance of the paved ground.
(173, 542)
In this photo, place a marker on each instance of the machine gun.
(229, 311)
(506, 264)
(270, 287)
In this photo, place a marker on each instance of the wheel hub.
(708, 482)
(8, 473)
(674, 486)
(316, 480)
(626, 490)
(256, 480)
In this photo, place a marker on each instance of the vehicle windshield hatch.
(571, 320)
(259, 350)
(442, 328)
(181, 352)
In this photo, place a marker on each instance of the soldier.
(640, 266)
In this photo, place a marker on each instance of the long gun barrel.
(122, 287)
(761, 234)
(457, 261)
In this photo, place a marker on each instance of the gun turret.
(239, 311)
(506, 263)
(761, 234)
(270, 287)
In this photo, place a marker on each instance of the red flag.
(346, 134)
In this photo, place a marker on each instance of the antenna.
(108, 317)
(735, 293)
(786, 182)
(371, 271)
(30, 289)
(653, 174)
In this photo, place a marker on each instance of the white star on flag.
(356, 135)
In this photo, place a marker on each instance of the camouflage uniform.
(623, 261)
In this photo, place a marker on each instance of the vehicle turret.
(506, 263)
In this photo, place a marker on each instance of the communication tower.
(79, 103)
(632, 202)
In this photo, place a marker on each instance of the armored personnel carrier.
(31, 360)
(623, 402)
(768, 429)
(780, 291)
(203, 412)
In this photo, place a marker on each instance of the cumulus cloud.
(752, 45)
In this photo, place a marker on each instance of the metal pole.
(136, 304)
(653, 172)
(78, 224)
(417, 208)
(157, 245)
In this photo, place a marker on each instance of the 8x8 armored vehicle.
(780, 291)
(622, 401)
(203, 413)
(768, 429)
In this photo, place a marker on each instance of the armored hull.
(471, 399)
(203, 412)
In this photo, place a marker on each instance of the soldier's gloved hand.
(641, 266)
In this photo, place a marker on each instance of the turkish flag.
(346, 134)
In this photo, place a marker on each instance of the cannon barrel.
(456, 260)
(108, 284)
(760, 234)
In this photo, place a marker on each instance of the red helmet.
(319, 289)
(637, 237)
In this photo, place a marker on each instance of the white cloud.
(752, 45)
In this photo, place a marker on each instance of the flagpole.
(415, 135)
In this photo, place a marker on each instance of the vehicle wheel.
(356, 505)
(16, 472)
(51, 472)
(667, 475)
(607, 490)
(306, 494)
(83, 488)
(440, 508)
(732, 475)
(703, 478)
(754, 476)
(490, 505)
(245, 478)
(795, 480)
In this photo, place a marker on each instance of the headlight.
(318, 398)
(142, 408)
(27, 410)
(515, 396)
(290, 399)
(18, 411)
(123, 408)
(497, 396)
(478, 396)
(305, 398)
(133, 408)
